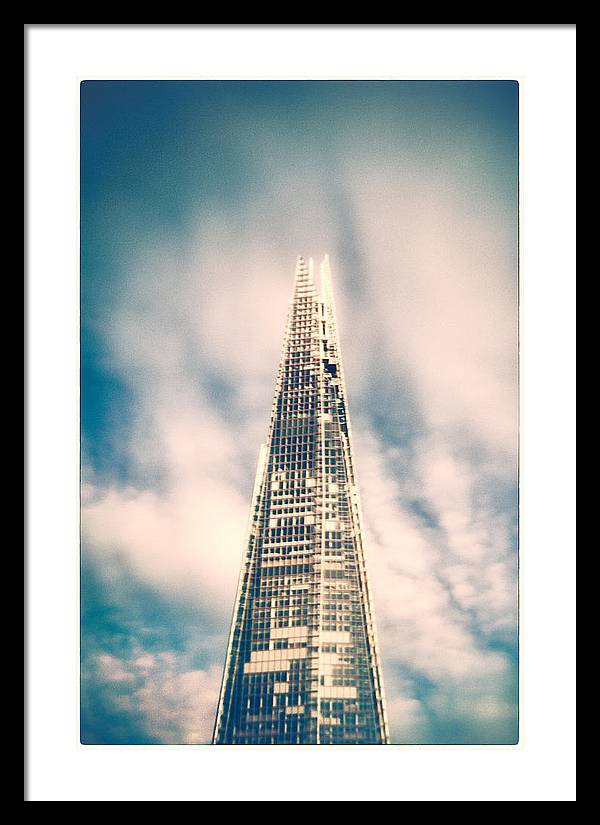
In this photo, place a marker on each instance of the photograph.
(299, 412)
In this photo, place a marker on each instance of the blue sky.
(196, 198)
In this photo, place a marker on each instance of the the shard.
(302, 663)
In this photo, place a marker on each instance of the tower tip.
(303, 271)
(301, 264)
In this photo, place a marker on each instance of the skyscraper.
(302, 663)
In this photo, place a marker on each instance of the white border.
(542, 767)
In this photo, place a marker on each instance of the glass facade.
(302, 664)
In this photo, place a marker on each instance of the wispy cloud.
(168, 705)
(445, 598)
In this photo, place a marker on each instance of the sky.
(196, 199)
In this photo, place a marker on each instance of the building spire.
(304, 274)
(326, 288)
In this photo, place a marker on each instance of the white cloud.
(434, 596)
(443, 292)
(187, 543)
(173, 706)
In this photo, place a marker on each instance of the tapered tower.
(302, 664)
